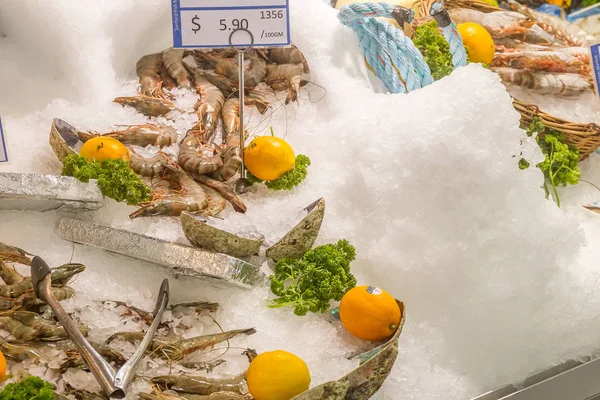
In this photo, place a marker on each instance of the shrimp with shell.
(173, 61)
(148, 69)
(288, 55)
(224, 190)
(549, 61)
(232, 159)
(14, 254)
(191, 198)
(285, 76)
(562, 29)
(196, 156)
(149, 106)
(208, 106)
(139, 135)
(544, 82)
(149, 167)
(200, 384)
(176, 348)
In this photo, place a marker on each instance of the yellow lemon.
(478, 41)
(277, 375)
(269, 157)
(370, 313)
(2, 367)
(103, 148)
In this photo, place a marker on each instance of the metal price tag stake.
(242, 185)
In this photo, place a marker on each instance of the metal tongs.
(114, 384)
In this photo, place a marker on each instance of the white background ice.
(498, 282)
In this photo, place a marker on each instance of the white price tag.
(3, 152)
(210, 23)
(595, 50)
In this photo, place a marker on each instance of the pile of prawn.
(195, 180)
(537, 51)
(33, 337)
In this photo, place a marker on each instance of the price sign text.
(210, 23)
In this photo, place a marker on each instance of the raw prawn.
(199, 384)
(215, 202)
(197, 306)
(192, 199)
(232, 160)
(544, 82)
(285, 76)
(173, 60)
(29, 302)
(150, 167)
(207, 366)
(48, 331)
(14, 254)
(176, 348)
(208, 107)
(570, 33)
(505, 24)
(224, 190)
(139, 135)
(230, 88)
(550, 61)
(288, 55)
(9, 275)
(195, 156)
(229, 68)
(149, 106)
(148, 69)
(18, 330)
(76, 361)
(18, 352)
(60, 276)
(167, 82)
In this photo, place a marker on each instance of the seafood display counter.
(399, 204)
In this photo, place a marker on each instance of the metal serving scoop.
(114, 384)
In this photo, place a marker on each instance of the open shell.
(202, 234)
(301, 237)
(364, 381)
(64, 139)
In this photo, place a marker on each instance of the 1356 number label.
(275, 14)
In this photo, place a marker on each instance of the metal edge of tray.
(39, 192)
(571, 380)
(179, 259)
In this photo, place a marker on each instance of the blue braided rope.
(386, 46)
(450, 32)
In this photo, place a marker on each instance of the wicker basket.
(586, 137)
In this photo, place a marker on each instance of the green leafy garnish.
(311, 282)
(115, 178)
(589, 3)
(32, 388)
(435, 49)
(290, 179)
(561, 166)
